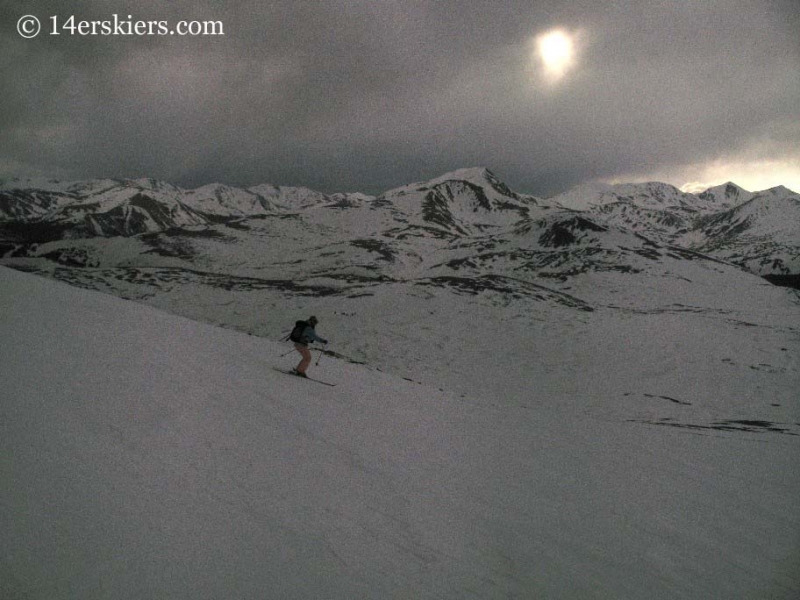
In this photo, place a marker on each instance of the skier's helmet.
(313, 320)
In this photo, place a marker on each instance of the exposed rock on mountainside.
(467, 220)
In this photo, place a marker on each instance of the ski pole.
(320, 356)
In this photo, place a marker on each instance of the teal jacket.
(309, 335)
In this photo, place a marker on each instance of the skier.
(302, 335)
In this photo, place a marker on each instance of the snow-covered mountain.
(631, 454)
(110, 208)
(757, 231)
(469, 204)
(463, 202)
(392, 267)
(760, 234)
(726, 195)
(96, 208)
(643, 195)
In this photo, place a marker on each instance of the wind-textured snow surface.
(145, 455)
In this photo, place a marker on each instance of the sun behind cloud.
(556, 52)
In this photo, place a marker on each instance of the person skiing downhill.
(302, 336)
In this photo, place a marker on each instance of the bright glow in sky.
(556, 51)
(752, 175)
(548, 94)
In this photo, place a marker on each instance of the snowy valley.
(418, 279)
(587, 396)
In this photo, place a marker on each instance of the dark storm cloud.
(365, 95)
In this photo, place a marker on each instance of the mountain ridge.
(466, 203)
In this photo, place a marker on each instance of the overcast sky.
(366, 95)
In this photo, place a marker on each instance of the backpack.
(297, 332)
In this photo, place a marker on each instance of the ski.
(318, 381)
(307, 378)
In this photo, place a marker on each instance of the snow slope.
(757, 231)
(761, 234)
(652, 195)
(148, 456)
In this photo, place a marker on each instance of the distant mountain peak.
(471, 174)
(476, 175)
(651, 194)
(757, 231)
(780, 190)
(151, 184)
(725, 195)
(480, 179)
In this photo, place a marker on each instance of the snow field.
(147, 455)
